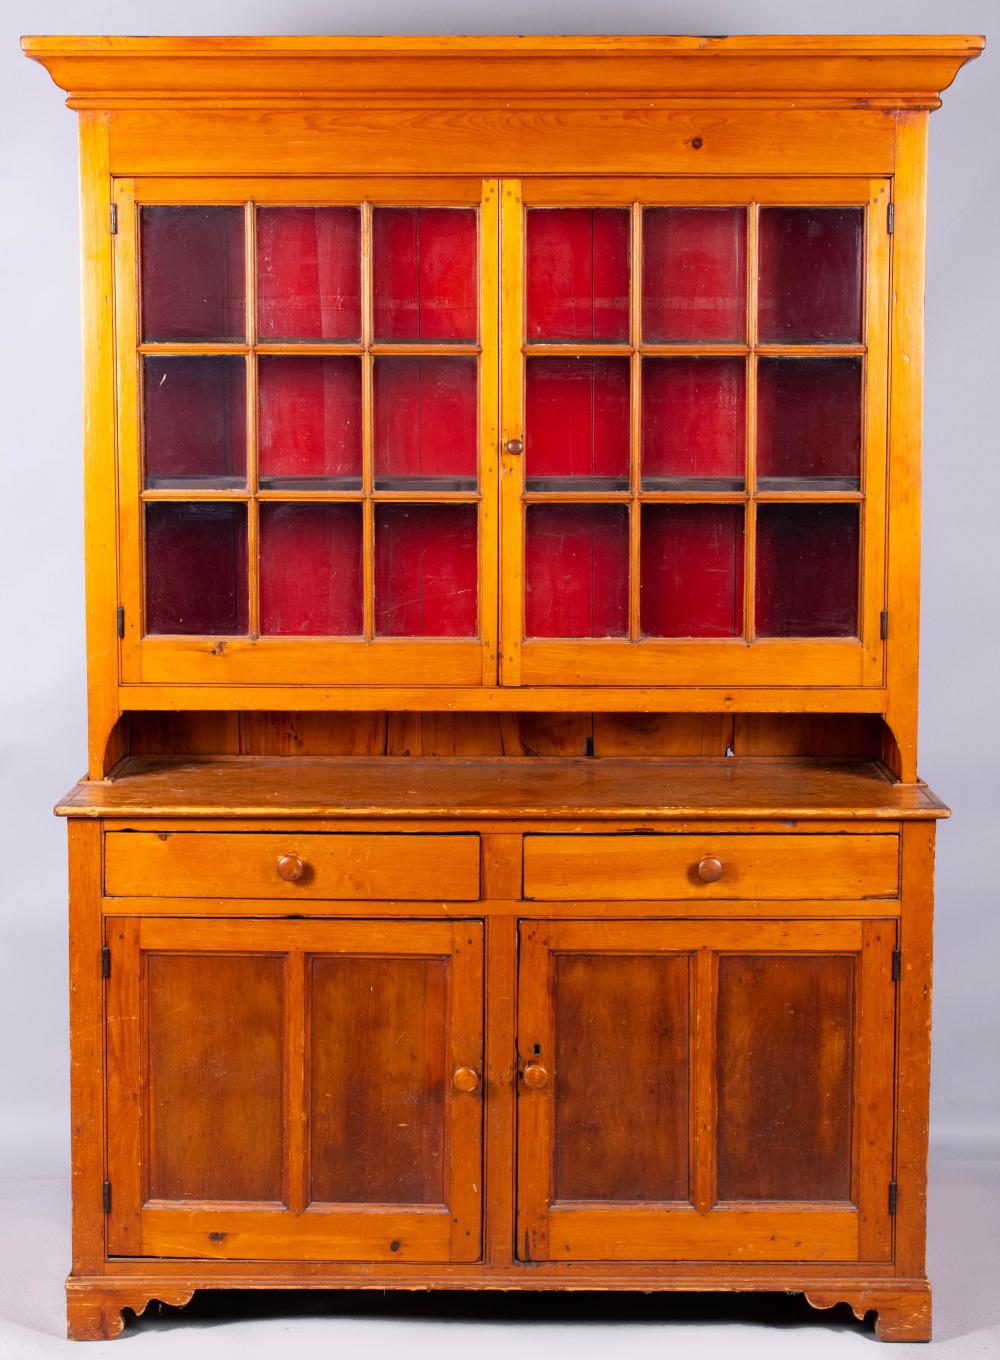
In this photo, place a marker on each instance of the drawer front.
(286, 865)
(636, 867)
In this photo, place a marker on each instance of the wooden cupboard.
(502, 861)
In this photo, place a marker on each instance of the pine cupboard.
(502, 861)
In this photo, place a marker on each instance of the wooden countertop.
(515, 788)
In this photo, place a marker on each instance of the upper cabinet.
(499, 373)
(686, 484)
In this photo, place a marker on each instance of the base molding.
(94, 1304)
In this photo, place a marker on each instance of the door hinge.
(114, 219)
(105, 962)
(106, 1193)
(897, 964)
(890, 218)
(121, 621)
(893, 1196)
(883, 624)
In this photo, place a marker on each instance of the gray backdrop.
(42, 723)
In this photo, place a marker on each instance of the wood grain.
(252, 787)
(592, 868)
(250, 865)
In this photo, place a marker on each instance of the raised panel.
(215, 1076)
(377, 1044)
(785, 1072)
(622, 1055)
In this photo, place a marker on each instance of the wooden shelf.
(518, 788)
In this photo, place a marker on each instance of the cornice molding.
(794, 71)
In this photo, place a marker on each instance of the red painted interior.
(310, 420)
(577, 274)
(694, 274)
(193, 284)
(810, 274)
(308, 273)
(425, 420)
(311, 569)
(196, 568)
(576, 571)
(194, 421)
(425, 571)
(693, 421)
(809, 421)
(424, 263)
(807, 571)
(691, 571)
(577, 420)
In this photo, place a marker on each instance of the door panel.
(787, 1137)
(378, 1122)
(693, 1090)
(621, 1127)
(284, 1090)
(218, 1137)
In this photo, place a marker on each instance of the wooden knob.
(290, 868)
(465, 1079)
(515, 445)
(535, 1076)
(709, 869)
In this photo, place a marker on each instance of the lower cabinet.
(295, 1090)
(687, 1090)
(705, 1091)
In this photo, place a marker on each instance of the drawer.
(286, 865)
(634, 867)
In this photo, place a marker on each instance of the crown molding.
(792, 71)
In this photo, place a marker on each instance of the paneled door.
(694, 1091)
(694, 431)
(292, 1090)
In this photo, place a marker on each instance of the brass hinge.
(114, 219)
(897, 964)
(883, 624)
(889, 218)
(105, 962)
(893, 1196)
(106, 1193)
(121, 621)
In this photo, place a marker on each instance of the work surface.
(508, 788)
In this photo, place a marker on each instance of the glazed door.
(307, 434)
(693, 431)
(291, 1090)
(696, 1091)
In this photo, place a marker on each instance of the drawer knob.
(515, 446)
(290, 868)
(709, 869)
(535, 1076)
(465, 1079)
